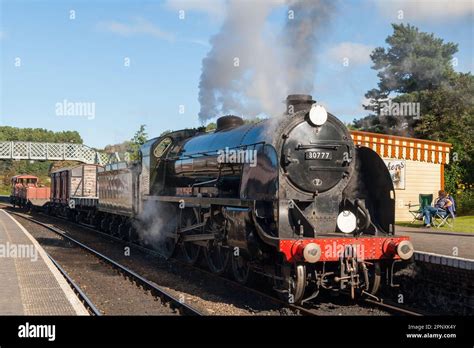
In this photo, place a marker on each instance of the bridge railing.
(51, 151)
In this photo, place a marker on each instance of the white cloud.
(214, 8)
(356, 53)
(425, 10)
(139, 26)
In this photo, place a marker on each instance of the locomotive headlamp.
(346, 221)
(318, 115)
(405, 250)
(312, 252)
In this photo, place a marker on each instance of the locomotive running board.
(192, 227)
(201, 201)
(191, 238)
(197, 237)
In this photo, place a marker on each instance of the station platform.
(30, 284)
(441, 247)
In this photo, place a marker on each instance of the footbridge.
(20, 150)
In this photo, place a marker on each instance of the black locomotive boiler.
(290, 198)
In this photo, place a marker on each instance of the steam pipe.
(268, 239)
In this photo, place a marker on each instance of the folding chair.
(446, 217)
(424, 200)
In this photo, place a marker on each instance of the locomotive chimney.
(228, 122)
(298, 102)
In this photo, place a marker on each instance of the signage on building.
(397, 173)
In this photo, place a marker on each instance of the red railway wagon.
(26, 191)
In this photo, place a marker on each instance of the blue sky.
(82, 59)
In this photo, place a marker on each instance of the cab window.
(162, 147)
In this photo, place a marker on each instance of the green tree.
(417, 68)
(138, 140)
(211, 127)
(448, 115)
(38, 135)
(413, 61)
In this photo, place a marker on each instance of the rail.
(166, 296)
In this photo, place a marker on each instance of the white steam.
(155, 222)
(251, 67)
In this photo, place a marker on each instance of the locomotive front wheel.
(376, 278)
(292, 288)
(217, 258)
(298, 283)
(191, 251)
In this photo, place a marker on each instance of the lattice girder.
(51, 151)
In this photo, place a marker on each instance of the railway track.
(165, 296)
(393, 308)
(382, 305)
(298, 309)
(90, 306)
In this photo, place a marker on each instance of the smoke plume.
(251, 66)
(300, 37)
(154, 222)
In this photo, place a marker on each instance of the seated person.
(442, 203)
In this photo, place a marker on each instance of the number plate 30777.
(318, 155)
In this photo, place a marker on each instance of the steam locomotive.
(290, 198)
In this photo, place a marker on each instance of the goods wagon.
(118, 195)
(74, 190)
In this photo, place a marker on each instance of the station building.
(416, 166)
